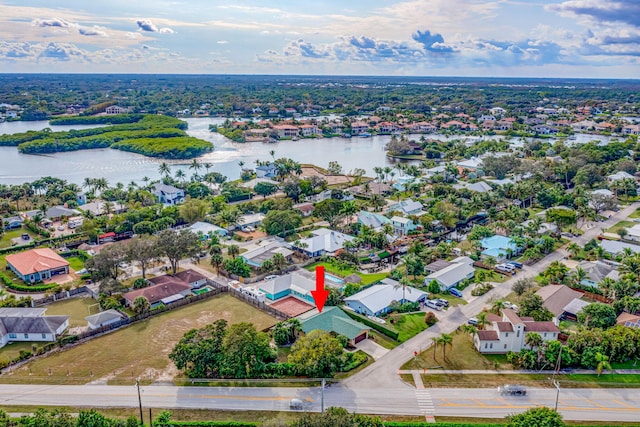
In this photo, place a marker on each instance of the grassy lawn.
(75, 263)
(11, 351)
(5, 240)
(453, 301)
(532, 380)
(367, 279)
(621, 225)
(460, 355)
(410, 325)
(496, 277)
(383, 340)
(76, 308)
(635, 214)
(631, 364)
(138, 351)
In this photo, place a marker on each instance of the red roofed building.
(510, 332)
(37, 265)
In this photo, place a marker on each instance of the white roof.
(164, 188)
(379, 297)
(301, 281)
(620, 175)
(21, 312)
(325, 239)
(251, 218)
(616, 247)
(103, 316)
(372, 219)
(407, 206)
(634, 231)
(473, 162)
(400, 219)
(205, 228)
(451, 275)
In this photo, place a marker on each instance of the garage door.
(360, 337)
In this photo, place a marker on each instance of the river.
(120, 166)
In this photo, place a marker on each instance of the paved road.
(574, 404)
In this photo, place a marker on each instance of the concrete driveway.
(372, 348)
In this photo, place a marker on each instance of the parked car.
(25, 236)
(512, 306)
(270, 277)
(516, 264)
(473, 321)
(61, 228)
(432, 304)
(455, 292)
(512, 390)
(443, 301)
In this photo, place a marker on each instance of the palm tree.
(216, 261)
(141, 305)
(233, 251)
(164, 169)
(195, 165)
(497, 306)
(279, 262)
(533, 340)
(180, 174)
(482, 320)
(403, 283)
(272, 153)
(445, 340)
(603, 363)
(573, 249)
(241, 164)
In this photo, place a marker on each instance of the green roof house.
(333, 319)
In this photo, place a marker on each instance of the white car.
(512, 306)
(432, 304)
(61, 228)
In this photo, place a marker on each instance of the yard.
(76, 263)
(409, 325)
(138, 351)
(461, 354)
(620, 225)
(367, 279)
(5, 239)
(635, 214)
(76, 308)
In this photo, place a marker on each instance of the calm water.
(120, 166)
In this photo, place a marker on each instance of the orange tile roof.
(36, 260)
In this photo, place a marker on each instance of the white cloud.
(166, 30)
(222, 42)
(54, 22)
(146, 25)
(93, 31)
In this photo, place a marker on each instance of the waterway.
(119, 166)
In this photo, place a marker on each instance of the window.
(491, 345)
(518, 333)
(505, 346)
(44, 336)
(506, 335)
(486, 345)
(26, 336)
(13, 336)
(545, 334)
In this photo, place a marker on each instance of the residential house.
(402, 226)
(253, 182)
(571, 310)
(377, 299)
(615, 247)
(583, 126)
(359, 127)
(251, 220)
(286, 131)
(104, 318)
(298, 283)
(12, 222)
(323, 242)
(510, 333)
(168, 194)
(556, 297)
(619, 176)
(498, 247)
(99, 207)
(191, 278)
(36, 265)
(309, 130)
(628, 319)
(456, 271)
(633, 233)
(631, 130)
(473, 164)
(373, 219)
(478, 187)
(163, 290)
(333, 319)
(596, 272)
(267, 171)
(407, 207)
(437, 265)
(545, 227)
(371, 188)
(30, 325)
(306, 208)
(54, 213)
(115, 109)
(265, 250)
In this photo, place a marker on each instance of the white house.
(206, 229)
(377, 299)
(30, 325)
(407, 207)
(402, 226)
(104, 318)
(619, 176)
(323, 241)
(633, 233)
(459, 269)
(115, 109)
(251, 220)
(168, 194)
(510, 333)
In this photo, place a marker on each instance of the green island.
(147, 134)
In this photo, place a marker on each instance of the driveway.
(372, 348)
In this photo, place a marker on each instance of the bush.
(353, 360)
(430, 318)
(481, 289)
(391, 333)
(26, 288)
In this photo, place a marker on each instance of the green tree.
(445, 340)
(246, 351)
(281, 222)
(531, 305)
(337, 417)
(141, 305)
(317, 355)
(193, 210)
(177, 245)
(233, 250)
(603, 363)
(279, 262)
(237, 266)
(265, 189)
(597, 315)
(538, 417)
(200, 351)
(143, 250)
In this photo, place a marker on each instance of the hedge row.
(22, 288)
(391, 333)
(213, 424)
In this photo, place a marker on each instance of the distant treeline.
(150, 135)
(114, 119)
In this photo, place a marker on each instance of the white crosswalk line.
(425, 403)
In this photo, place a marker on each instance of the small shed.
(104, 318)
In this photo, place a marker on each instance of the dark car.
(512, 390)
(455, 292)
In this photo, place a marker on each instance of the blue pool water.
(334, 279)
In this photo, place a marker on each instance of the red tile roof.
(488, 335)
(36, 260)
(155, 293)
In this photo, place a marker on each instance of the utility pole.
(139, 401)
(322, 398)
(557, 385)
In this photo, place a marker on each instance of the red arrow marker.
(320, 294)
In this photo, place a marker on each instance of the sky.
(498, 38)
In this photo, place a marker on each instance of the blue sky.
(510, 38)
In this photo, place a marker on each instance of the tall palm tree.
(279, 262)
(573, 249)
(445, 340)
(483, 321)
(436, 341)
(233, 251)
(164, 169)
(403, 283)
(497, 306)
(180, 174)
(533, 340)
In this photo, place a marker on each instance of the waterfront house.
(168, 194)
(267, 171)
(286, 131)
(115, 109)
(36, 265)
(407, 207)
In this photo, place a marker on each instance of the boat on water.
(364, 135)
(346, 135)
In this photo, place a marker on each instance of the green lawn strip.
(620, 225)
(631, 364)
(383, 340)
(496, 277)
(453, 301)
(367, 279)
(75, 263)
(76, 308)
(635, 214)
(410, 325)
(531, 380)
(461, 354)
(11, 351)
(138, 351)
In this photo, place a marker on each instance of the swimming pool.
(203, 290)
(334, 279)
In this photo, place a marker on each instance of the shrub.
(430, 318)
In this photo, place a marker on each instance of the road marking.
(425, 403)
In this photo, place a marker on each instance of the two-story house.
(402, 226)
(168, 194)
